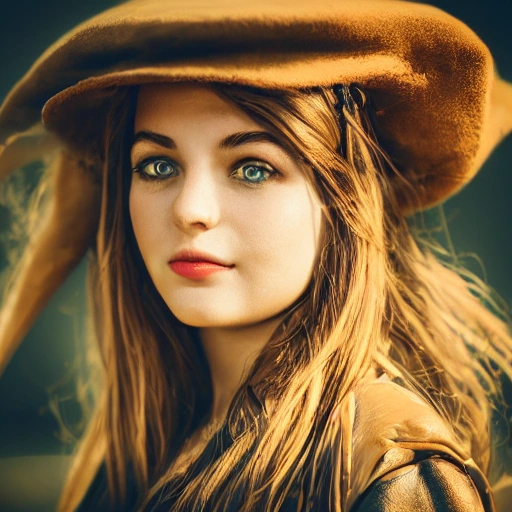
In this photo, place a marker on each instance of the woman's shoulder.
(430, 485)
(401, 453)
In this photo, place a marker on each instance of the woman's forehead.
(166, 104)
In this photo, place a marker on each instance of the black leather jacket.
(399, 455)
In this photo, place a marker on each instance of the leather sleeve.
(432, 485)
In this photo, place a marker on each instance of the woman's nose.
(196, 205)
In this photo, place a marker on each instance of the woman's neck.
(230, 353)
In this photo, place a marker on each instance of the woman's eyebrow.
(231, 141)
(238, 139)
(157, 138)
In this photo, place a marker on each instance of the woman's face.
(226, 222)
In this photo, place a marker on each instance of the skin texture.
(268, 232)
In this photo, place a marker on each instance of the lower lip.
(196, 269)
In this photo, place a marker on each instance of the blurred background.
(42, 373)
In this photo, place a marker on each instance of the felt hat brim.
(430, 79)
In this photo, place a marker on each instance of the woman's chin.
(208, 318)
(205, 318)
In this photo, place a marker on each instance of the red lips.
(197, 265)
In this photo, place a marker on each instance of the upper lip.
(193, 255)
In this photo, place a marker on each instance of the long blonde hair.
(378, 297)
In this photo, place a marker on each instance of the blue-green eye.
(253, 172)
(156, 168)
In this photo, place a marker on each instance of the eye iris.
(253, 173)
(163, 168)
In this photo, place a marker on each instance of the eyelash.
(258, 164)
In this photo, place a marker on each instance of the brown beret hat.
(440, 108)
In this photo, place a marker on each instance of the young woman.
(271, 335)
